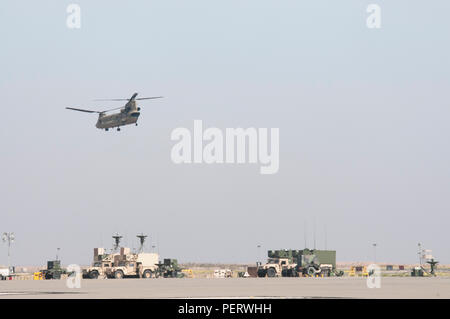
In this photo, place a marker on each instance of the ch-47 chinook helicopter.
(129, 113)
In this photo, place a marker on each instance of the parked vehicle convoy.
(122, 263)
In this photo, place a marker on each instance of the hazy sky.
(363, 117)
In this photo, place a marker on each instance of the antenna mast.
(314, 233)
(142, 238)
(305, 234)
(117, 239)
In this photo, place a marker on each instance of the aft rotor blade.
(149, 98)
(111, 100)
(117, 108)
(81, 110)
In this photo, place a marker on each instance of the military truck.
(54, 270)
(141, 265)
(294, 263)
(169, 268)
(101, 262)
(316, 262)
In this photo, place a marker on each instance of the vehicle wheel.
(93, 274)
(147, 274)
(118, 274)
(311, 271)
(339, 273)
(262, 273)
(271, 272)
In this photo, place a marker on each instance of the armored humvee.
(142, 265)
(275, 267)
(101, 262)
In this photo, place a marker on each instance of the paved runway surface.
(345, 287)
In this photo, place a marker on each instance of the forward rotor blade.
(81, 110)
(149, 98)
(139, 98)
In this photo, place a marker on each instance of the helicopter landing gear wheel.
(106, 129)
(136, 124)
(118, 129)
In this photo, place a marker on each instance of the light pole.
(375, 252)
(258, 260)
(420, 253)
(8, 237)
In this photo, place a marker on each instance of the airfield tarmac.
(344, 287)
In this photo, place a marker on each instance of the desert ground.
(333, 287)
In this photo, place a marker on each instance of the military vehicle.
(54, 270)
(141, 265)
(316, 262)
(170, 269)
(102, 261)
(275, 267)
(293, 263)
(129, 113)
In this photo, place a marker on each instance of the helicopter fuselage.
(117, 119)
(128, 115)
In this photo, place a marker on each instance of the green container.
(305, 256)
